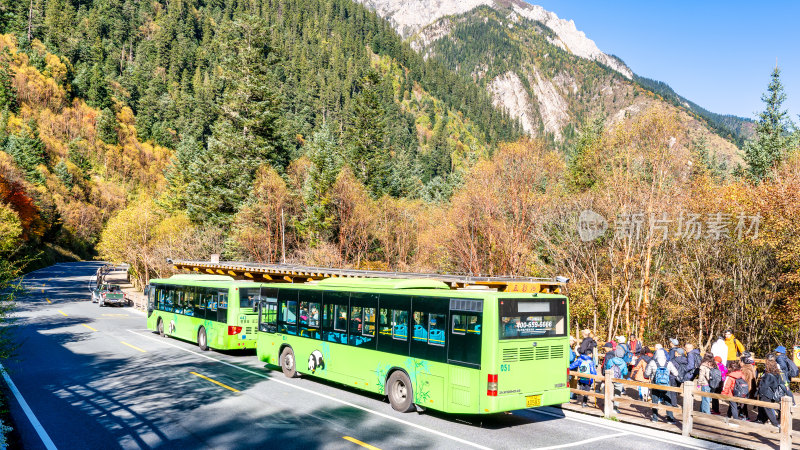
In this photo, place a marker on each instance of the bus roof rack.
(294, 273)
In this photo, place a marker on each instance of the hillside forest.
(309, 131)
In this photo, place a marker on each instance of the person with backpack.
(787, 367)
(660, 371)
(621, 342)
(708, 375)
(681, 362)
(735, 347)
(749, 375)
(619, 370)
(770, 389)
(588, 343)
(675, 346)
(694, 357)
(735, 386)
(723, 374)
(585, 364)
(643, 358)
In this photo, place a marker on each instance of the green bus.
(420, 343)
(212, 310)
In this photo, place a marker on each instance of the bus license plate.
(533, 400)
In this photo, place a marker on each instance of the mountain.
(537, 66)
(410, 16)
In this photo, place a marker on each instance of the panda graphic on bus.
(315, 361)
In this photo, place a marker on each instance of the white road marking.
(585, 441)
(328, 397)
(48, 443)
(586, 419)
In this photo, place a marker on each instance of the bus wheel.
(160, 327)
(202, 342)
(400, 392)
(288, 362)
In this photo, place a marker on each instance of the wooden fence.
(686, 411)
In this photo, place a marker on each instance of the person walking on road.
(660, 371)
(718, 348)
(707, 365)
(735, 348)
(770, 389)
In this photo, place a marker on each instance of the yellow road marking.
(133, 347)
(48, 300)
(215, 382)
(363, 444)
(63, 313)
(87, 326)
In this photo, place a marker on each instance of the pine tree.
(250, 131)
(62, 172)
(28, 152)
(326, 159)
(365, 135)
(8, 94)
(107, 127)
(771, 142)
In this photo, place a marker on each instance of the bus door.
(149, 291)
(268, 310)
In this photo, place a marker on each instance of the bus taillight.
(234, 330)
(491, 386)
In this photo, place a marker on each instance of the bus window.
(222, 305)
(309, 313)
(248, 297)
(466, 317)
(287, 311)
(355, 320)
(267, 316)
(334, 320)
(420, 326)
(437, 324)
(525, 318)
(368, 327)
(384, 327)
(340, 321)
(399, 325)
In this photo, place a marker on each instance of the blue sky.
(718, 54)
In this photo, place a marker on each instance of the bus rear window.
(532, 318)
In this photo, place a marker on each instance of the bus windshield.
(532, 318)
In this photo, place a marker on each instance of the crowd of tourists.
(728, 369)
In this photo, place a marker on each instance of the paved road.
(96, 378)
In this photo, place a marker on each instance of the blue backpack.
(628, 356)
(662, 376)
(586, 367)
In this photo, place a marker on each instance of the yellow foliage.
(10, 229)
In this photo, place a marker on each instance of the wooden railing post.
(786, 423)
(608, 404)
(688, 407)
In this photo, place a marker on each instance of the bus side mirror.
(147, 290)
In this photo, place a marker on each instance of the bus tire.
(400, 392)
(202, 340)
(160, 327)
(288, 363)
